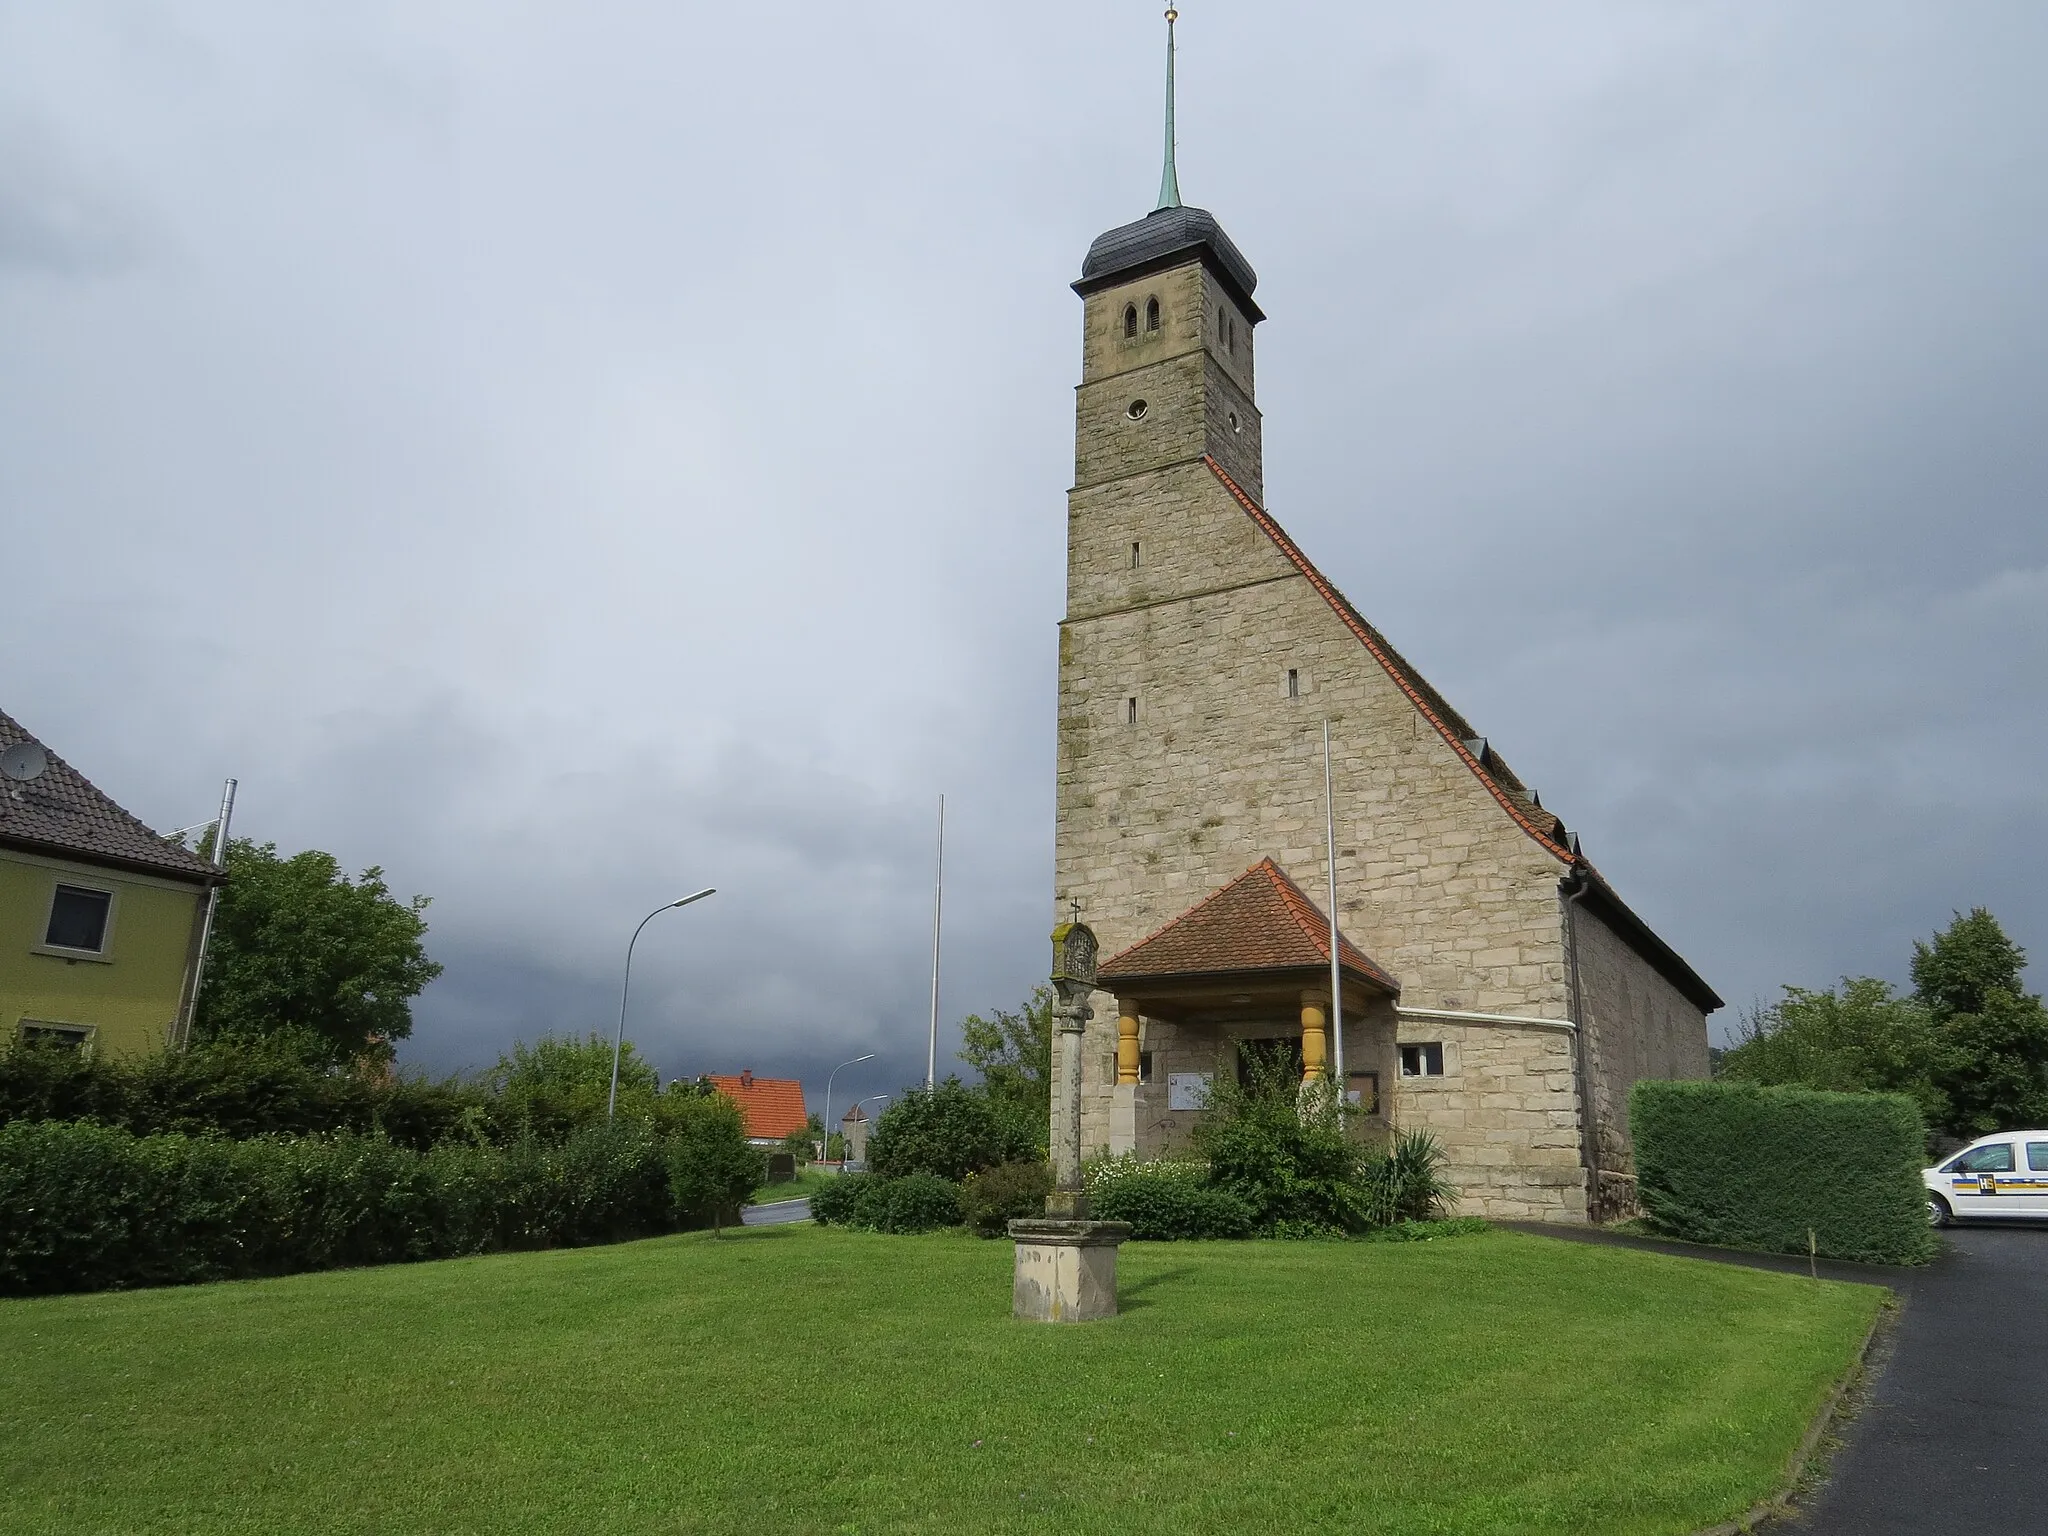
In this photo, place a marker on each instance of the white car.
(2003, 1176)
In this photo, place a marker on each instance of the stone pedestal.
(1066, 1270)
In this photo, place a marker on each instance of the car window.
(1992, 1159)
(2037, 1156)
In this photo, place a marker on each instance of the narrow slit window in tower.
(1135, 552)
(1293, 683)
(1130, 711)
(1151, 314)
(1130, 320)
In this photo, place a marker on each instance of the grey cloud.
(578, 453)
(58, 217)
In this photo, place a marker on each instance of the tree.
(1968, 1045)
(1859, 1037)
(300, 949)
(1996, 1072)
(1013, 1054)
(951, 1130)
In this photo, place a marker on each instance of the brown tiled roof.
(61, 813)
(1261, 921)
(1485, 763)
(774, 1106)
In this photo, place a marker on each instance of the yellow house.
(100, 918)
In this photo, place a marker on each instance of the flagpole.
(931, 1059)
(1336, 969)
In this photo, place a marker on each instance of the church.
(1492, 986)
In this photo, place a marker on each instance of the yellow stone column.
(1126, 1042)
(1315, 1037)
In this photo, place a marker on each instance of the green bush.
(836, 1204)
(85, 1206)
(1284, 1156)
(916, 1202)
(1165, 1205)
(949, 1131)
(994, 1197)
(1756, 1167)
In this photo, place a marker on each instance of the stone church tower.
(1495, 989)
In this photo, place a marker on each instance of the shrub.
(1407, 1183)
(1165, 1204)
(916, 1202)
(836, 1204)
(991, 1199)
(1285, 1157)
(949, 1131)
(88, 1207)
(1757, 1167)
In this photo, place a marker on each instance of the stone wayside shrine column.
(1066, 1264)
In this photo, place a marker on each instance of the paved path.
(779, 1214)
(1949, 1437)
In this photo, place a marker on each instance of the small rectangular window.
(1293, 683)
(1422, 1060)
(1134, 554)
(1130, 711)
(2037, 1156)
(78, 919)
(1145, 1070)
(70, 1037)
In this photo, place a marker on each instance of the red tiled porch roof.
(1261, 921)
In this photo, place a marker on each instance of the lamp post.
(827, 1146)
(611, 1107)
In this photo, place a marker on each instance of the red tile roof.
(774, 1106)
(1261, 921)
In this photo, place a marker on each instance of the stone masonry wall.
(1507, 1111)
(1222, 768)
(1638, 1025)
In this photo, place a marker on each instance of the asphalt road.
(779, 1214)
(1950, 1437)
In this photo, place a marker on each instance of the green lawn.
(807, 1379)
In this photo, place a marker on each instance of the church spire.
(1169, 182)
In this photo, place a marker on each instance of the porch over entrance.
(1249, 962)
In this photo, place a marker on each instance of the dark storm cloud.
(568, 458)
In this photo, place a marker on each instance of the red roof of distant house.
(774, 1106)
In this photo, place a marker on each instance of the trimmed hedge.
(1753, 1167)
(916, 1202)
(1164, 1203)
(91, 1207)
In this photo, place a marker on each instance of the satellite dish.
(24, 761)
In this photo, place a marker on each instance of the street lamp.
(611, 1108)
(827, 1147)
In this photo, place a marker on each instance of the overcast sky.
(574, 454)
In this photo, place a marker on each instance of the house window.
(1422, 1060)
(78, 919)
(1130, 320)
(1363, 1092)
(1145, 1072)
(72, 1037)
(1130, 711)
(1293, 683)
(1151, 314)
